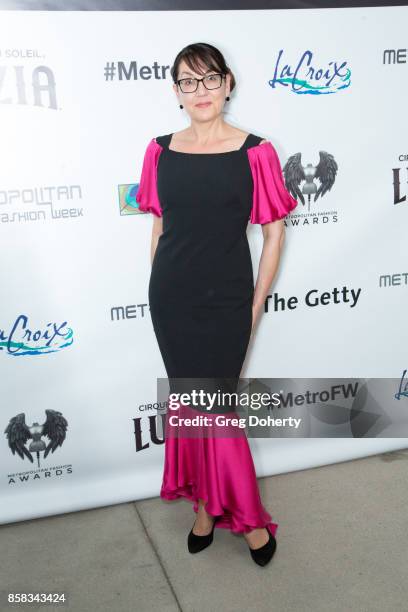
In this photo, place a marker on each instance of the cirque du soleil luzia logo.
(308, 77)
(24, 339)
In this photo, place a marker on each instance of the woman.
(202, 185)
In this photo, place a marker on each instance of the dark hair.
(205, 54)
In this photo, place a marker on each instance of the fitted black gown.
(200, 294)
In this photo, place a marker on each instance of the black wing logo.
(18, 433)
(295, 173)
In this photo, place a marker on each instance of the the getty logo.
(308, 77)
(22, 339)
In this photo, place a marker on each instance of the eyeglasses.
(211, 81)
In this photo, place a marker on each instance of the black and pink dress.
(200, 295)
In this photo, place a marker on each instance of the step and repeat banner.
(82, 92)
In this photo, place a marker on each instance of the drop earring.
(181, 106)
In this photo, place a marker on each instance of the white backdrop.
(73, 140)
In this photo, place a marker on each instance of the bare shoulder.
(237, 137)
(241, 134)
(180, 138)
(181, 133)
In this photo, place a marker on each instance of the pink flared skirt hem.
(220, 471)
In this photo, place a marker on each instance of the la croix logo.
(307, 79)
(403, 387)
(21, 340)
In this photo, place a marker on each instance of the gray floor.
(342, 545)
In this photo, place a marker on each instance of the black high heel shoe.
(196, 543)
(264, 554)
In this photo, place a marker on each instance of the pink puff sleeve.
(271, 200)
(147, 196)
